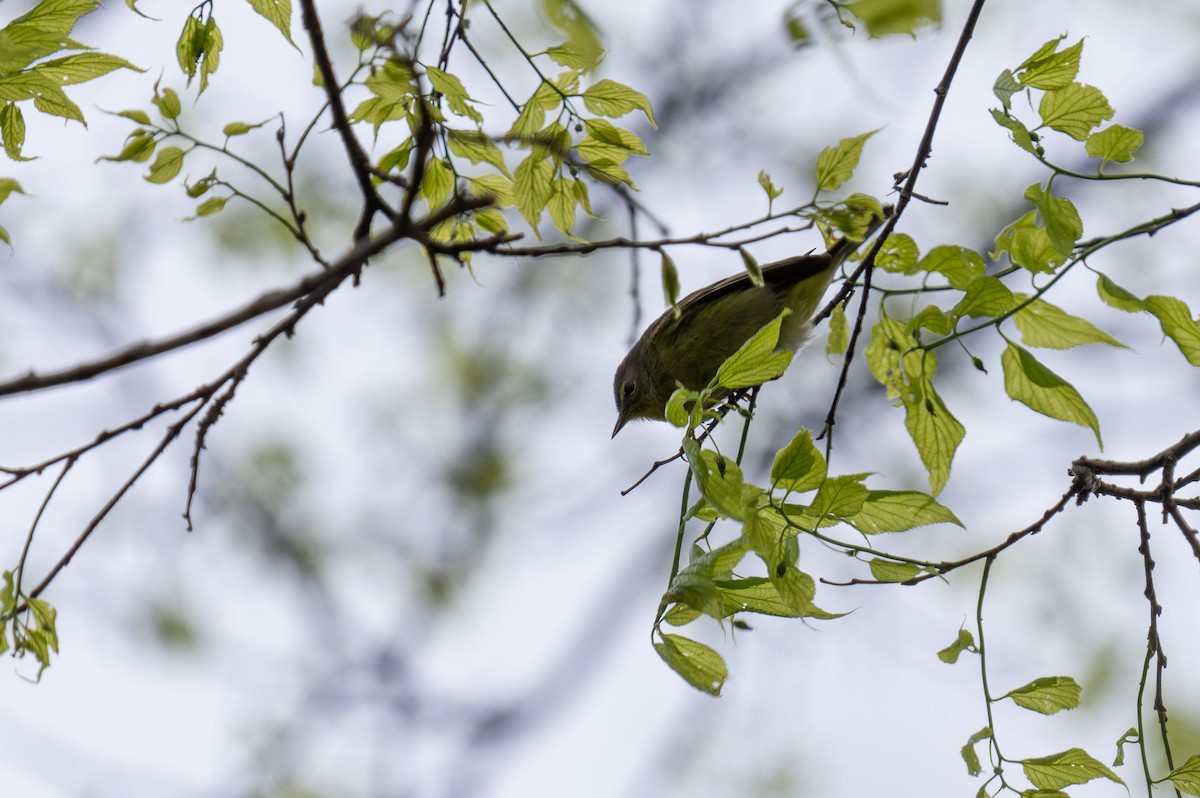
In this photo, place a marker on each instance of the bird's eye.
(627, 390)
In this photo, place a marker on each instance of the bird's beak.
(622, 420)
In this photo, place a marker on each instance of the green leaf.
(561, 204)
(1040, 389)
(532, 188)
(755, 594)
(959, 265)
(986, 297)
(950, 654)
(1186, 777)
(141, 117)
(799, 466)
(607, 171)
(840, 496)
(82, 67)
(773, 191)
(583, 38)
(210, 206)
(839, 332)
(1047, 695)
(797, 589)
(900, 511)
(717, 563)
(898, 254)
(752, 268)
(41, 31)
(934, 319)
(757, 361)
(1073, 766)
(1051, 70)
(890, 17)
(1005, 87)
(242, 128)
(1061, 220)
(612, 99)
(1075, 110)
(8, 187)
(606, 140)
(1117, 297)
(1115, 143)
(1028, 245)
(566, 55)
(476, 147)
(168, 104)
(1130, 737)
(1050, 327)
(497, 187)
(1177, 324)
(1021, 135)
(12, 128)
(699, 665)
(437, 183)
(720, 482)
(139, 146)
(278, 13)
(835, 165)
(450, 87)
(968, 751)
(166, 166)
(670, 282)
(892, 571)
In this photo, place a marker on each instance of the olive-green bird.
(714, 322)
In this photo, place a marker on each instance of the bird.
(686, 348)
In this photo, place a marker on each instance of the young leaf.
(8, 186)
(1115, 143)
(168, 104)
(1117, 297)
(1186, 777)
(898, 254)
(773, 191)
(1020, 134)
(755, 594)
(933, 428)
(531, 188)
(1051, 70)
(1041, 390)
(12, 128)
(1029, 245)
(1130, 737)
(986, 296)
(752, 268)
(278, 13)
(799, 466)
(437, 183)
(900, 511)
(720, 481)
(889, 17)
(839, 332)
(1061, 220)
(699, 665)
(670, 282)
(1047, 695)
(892, 571)
(1063, 769)
(950, 654)
(166, 166)
(1177, 324)
(968, 751)
(561, 204)
(612, 99)
(959, 265)
(450, 87)
(757, 361)
(1050, 327)
(835, 165)
(1005, 87)
(840, 497)
(1075, 110)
